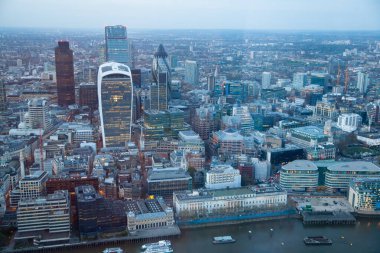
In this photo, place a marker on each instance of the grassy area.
(359, 152)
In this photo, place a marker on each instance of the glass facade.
(115, 104)
(117, 48)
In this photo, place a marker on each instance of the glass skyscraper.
(115, 93)
(160, 91)
(117, 48)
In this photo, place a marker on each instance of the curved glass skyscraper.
(115, 92)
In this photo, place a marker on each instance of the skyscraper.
(160, 92)
(265, 80)
(64, 65)
(3, 97)
(117, 48)
(299, 80)
(38, 114)
(115, 94)
(191, 72)
(88, 95)
(363, 82)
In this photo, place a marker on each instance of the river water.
(287, 237)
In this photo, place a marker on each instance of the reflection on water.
(272, 236)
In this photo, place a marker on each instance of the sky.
(193, 14)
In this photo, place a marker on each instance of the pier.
(328, 217)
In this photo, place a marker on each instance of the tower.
(64, 64)
(38, 114)
(115, 94)
(363, 82)
(265, 80)
(3, 97)
(160, 92)
(117, 48)
(191, 72)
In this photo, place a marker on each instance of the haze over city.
(195, 14)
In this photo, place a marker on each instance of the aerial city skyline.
(254, 125)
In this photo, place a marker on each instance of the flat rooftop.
(300, 165)
(354, 166)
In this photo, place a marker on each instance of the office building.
(38, 114)
(363, 82)
(246, 121)
(161, 72)
(205, 121)
(148, 214)
(64, 67)
(34, 185)
(3, 97)
(299, 80)
(88, 95)
(339, 175)
(349, 122)
(117, 48)
(364, 194)
(228, 201)
(222, 176)
(191, 72)
(299, 175)
(227, 142)
(265, 80)
(115, 94)
(163, 182)
(45, 219)
(308, 136)
(211, 83)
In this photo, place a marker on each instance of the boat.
(317, 240)
(113, 250)
(223, 239)
(164, 246)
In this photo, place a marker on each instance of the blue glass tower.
(117, 49)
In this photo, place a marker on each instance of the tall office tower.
(160, 94)
(299, 80)
(211, 83)
(38, 114)
(363, 82)
(3, 97)
(88, 95)
(191, 72)
(117, 48)
(64, 67)
(115, 94)
(265, 80)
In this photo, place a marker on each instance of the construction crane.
(41, 152)
(346, 80)
(338, 76)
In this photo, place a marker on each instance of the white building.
(265, 80)
(38, 114)
(299, 80)
(222, 177)
(363, 82)
(191, 72)
(349, 122)
(46, 218)
(245, 199)
(299, 175)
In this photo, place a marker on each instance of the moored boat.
(223, 239)
(317, 240)
(113, 250)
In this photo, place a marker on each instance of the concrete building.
(265, 80)
(38, 114)
(228, 201)
(349, 122)
(228, 142)
(299, 80)
(308, 136)
(364, 194)
(191, 72)
(299, 175)
(34, 185)
(45, 219)
(148, 214)
(339, 175)
(363, 82)
(222, 176)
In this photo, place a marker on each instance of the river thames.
(287, 236)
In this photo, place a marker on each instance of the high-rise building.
(265, 80)
(88, 95)
(299, 80)
(64, 67)
(349, 122)
(211, 83)
(117, 48)
(115, 94)
(3, 97)
(160, 93)
(191, 72)
(363, 82)
(38, 114)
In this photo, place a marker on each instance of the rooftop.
(354, 166)
(300, 165)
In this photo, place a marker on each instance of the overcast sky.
(204, 14)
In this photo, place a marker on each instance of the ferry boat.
(317, 240)
(223, 239)
(164, 246)
(113, 250)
